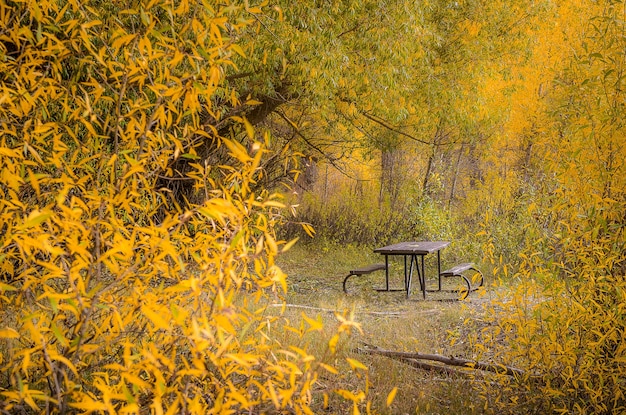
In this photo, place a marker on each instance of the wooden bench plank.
(457, 269)
(367, 270)
(362, 271)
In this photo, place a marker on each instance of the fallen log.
(415, 359)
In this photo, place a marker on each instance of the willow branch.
(385, 124)
(327, 157)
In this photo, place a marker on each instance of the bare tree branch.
(326, 156)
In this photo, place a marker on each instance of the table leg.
(407, 279)
(423, 278)
(439, 268)
(410, 275)
(387, 272)
(413, 261)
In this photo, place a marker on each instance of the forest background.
(157, 157)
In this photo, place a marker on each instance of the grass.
(388, 320)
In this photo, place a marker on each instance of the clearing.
(389, 321)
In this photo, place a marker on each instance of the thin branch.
(54, 373)
(240, 75)
(356, 26)
(149, 125)
(313, 146)
(297, 131)
(385, 124)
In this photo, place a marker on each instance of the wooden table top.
(412, 248)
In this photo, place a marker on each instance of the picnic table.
(414, 253)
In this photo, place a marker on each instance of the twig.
(330, 310)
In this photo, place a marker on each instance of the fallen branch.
(329, 310)
(414, 359)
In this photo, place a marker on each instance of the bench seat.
(368, 269)
(457, 271)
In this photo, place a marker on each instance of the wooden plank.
(457, 269)
(367, 269)
(361, 271)
(412, 248)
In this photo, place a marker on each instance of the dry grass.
(389, 320)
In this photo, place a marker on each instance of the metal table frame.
(413, 250)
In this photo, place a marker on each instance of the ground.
(390, 321)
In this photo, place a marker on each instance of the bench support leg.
(345, 280)
(465, 293)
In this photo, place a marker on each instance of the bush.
(565, 324)
(115, 296)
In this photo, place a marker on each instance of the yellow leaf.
(243, 359)
(391, 396)
(238, 49)
(329, 368)
(57, 357)
(4, 151)
(273, 395)
(249, 129)
(122, 40)
(9, 333)
(289, 244)
(224, 323)
(173, 409)
(135, 380)
(273, 203)
(346, 394)
(271, 243)
(7, 287)
(237, 150)
(315, 325)
(332, 343)
(308, 228)
(279, 277)
(355, 364)
(155, 318)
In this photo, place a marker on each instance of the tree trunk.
(390, 177)
(429, 168)
(456, 176)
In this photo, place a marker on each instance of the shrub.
(114, 296)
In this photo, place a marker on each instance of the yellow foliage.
(113, 297)
(563, 323)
